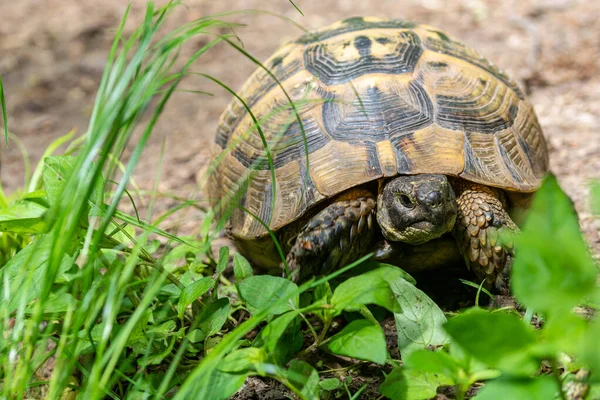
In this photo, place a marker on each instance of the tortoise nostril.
(434, 198)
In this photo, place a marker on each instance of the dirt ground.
(52, 54)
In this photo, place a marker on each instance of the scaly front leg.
(481, 219)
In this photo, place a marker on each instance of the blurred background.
(53, 52)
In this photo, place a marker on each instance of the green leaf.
(262, 291)
(138, 333)
(409, 384)
(554, 270)
(163, 330)
(241, 268)
(157, 358)
(499, 339)
(213, 316)
(590, 351)
(387, 271)
(57, 170)
(223, 259)
(244, 360)
(420, 323)
(56, 303)
(435, 362)
(191, 292)
(223, 385)
(23, 216)
(361, 339)
(271, 333)
(539, 388)
(330, 384)
(561, 334)
(26, 272)
(303, 376)
(196, 336)
(368, 288)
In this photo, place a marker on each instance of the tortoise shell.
(364, 99)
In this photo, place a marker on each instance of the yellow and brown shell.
(363, 99)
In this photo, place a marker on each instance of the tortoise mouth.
(417, 233)
(423, 226)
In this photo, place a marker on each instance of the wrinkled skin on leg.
(334, 237)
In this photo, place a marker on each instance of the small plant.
(127, 310)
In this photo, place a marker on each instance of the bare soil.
(52, 54)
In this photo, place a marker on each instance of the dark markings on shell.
(374, 167)
(236, 110)
(507, 158)
(378, 115)
(459, 50)
(290, 146)
(276, 61)
(354, 24)
(403, 163)
(321, 63)
(437, 65)
(467, 113)
(472, 162)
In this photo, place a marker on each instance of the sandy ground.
(52, 54)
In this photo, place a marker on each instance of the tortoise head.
(416, 208)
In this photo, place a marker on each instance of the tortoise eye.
(405, 200)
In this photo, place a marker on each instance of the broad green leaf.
(26, 271)
(155, 358)
(499, 339)
(56, 303)
(435, 362)
(388, 272)
(361, 339)
(247, 359)
(214, 315)
(138, 333)
(561, 334)
(192, 292)
(241, 268)
(330, 384)
(262, 291)
(163, 330)
(23, 216)
(57, 170)
(196, 336)
(590, 350)
(271, 333)
(303, 376)
(553, 270)
(539, 388)
(223, 259)
(85, 345)
(420, 323)
(409, 384)
(223, 385)
(368, 288)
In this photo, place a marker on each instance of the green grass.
(126, 315)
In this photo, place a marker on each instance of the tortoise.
(377, 135)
